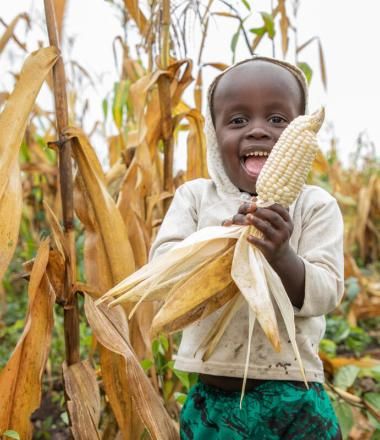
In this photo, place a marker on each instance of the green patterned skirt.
(273, 410)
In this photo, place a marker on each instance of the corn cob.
(289, 162)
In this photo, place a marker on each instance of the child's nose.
(257, 132)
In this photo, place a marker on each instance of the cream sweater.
(317, 238)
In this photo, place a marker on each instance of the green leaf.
(307, 70)
(373, 372)
(234, 42)
(376, 435)
(146, 364)
(372, 420)
(105, 108)
(155, 347)
(352, 288)
(180, 398)
(168, 388)
(65, 418)
(345, 377)
(328, 347)
(258, 31)
(246, 4)
(346, 418)
(373, 399)
(193, 377)
(337, 329)
(119, 105)
(170, 365)
(269, 24)
(183, 377)
(12, 434)
(164, 342)
(358, 340)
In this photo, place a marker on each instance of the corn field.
(70, 229)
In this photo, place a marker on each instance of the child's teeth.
(257, 153)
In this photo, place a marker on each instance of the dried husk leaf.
(212, 339)
(198, 312)
(83, 401)
(182, 258)
(285, 306)
(248, 274)
(192, 299)
(13, 120)
(20, 379)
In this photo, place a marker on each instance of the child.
(249, 106)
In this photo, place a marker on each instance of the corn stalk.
(165, 102)
(71, 317)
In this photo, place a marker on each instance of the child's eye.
(238, 120)
(276, 119)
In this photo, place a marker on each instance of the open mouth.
(253, 162)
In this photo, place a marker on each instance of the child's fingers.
(274, 218)
(266, 247)
(247, 208)
(276, 236)
(269, 232)
(227, 222)
(283, 212)
(239, 219)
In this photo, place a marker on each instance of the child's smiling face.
(252, 104)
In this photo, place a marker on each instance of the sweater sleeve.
(180, 221)
(321, 249)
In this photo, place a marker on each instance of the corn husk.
(191, 273)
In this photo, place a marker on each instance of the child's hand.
(275, 224)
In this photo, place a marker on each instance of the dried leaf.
(109, 258)
(20, 379)
(304, 45)
(13, 120)
(338, 362)
(59, 7)
(364, 205)
(322, 64)
(9, 32)
(198, 91)
(110, 328)
(320, 164)
(219, 66)
(137, 15)
(284, 26)
(83, 401)
(112, 231)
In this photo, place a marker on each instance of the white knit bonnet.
(214, 160)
